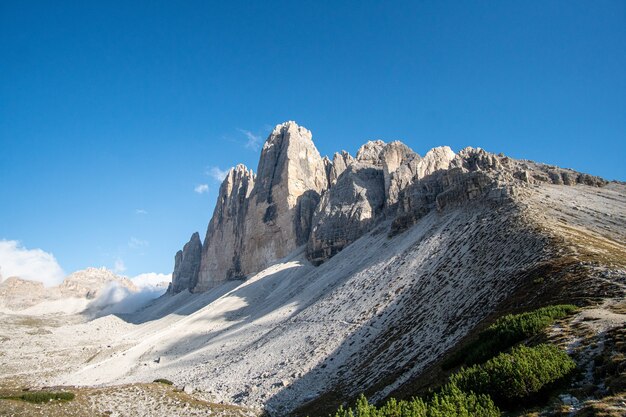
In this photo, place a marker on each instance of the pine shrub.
(520, 374)
(450, 402)
(506, 332)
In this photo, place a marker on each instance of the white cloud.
(140, 211)
(119, 266)
(217, 174)
(32, 264)
(116, 299)
(135, 243)
(254, 141)
(151, 279)
(202, 188)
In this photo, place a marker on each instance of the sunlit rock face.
(259, 219)
(223, 245)
(290, 179)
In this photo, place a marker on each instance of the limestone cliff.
(259, 219)
(187, 265)
(299, 198)
(223, 244)
(290, 178)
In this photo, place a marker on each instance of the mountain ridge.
(299, 198)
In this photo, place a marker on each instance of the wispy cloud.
(201, 189)
(253, 141)
(135, 243)
(119, 266)
(217, 174)
(31, 264)
(140, 211)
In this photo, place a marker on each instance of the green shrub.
(164, 381)
(520, 374)
(450, 402)
(506, 332)
(46, 396)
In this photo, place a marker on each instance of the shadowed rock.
(187, 265)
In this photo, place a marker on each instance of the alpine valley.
(384, 273)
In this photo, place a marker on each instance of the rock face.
(223, 245)
(351, 205)
(259, 219)
(299, 198)
(187, 265)
(17, 293)
(290, 179)
(447, 180)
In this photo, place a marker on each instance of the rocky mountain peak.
(258, 219)
(87, 283)
(370, 152)
(299, 198)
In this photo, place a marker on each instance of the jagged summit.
(299, 198)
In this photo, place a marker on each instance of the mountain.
(85, 286)
(299, 198)
(320, 279)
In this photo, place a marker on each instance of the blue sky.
(111, 113)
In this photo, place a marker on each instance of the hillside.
(412, 256)
(321, 279)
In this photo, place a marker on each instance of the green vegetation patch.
(39, 397)
(506, 332)
(163, 381)
(450, 402)
(520, 374)
(505, 380)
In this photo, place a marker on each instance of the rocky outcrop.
(17, 293)
(290, 178)
(370, 153)
(341, 161)
(259, 219)
(299, 198)
(187, 265)
(446, 180)
(223, 245)
(346, 210)
(398, 162)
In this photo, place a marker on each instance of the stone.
(259, 219)
(223, 244)
(397, 160)
(340, 163)
(370, 152)
(299, 198)
(187, 265)
(290, 178)
(346, 210)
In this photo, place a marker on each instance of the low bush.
(506, 332)
(450, 402)
(46, 396)
(520, 374)
(164, 381)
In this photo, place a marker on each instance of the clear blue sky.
(111, 113)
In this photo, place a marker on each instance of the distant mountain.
(17, 293)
